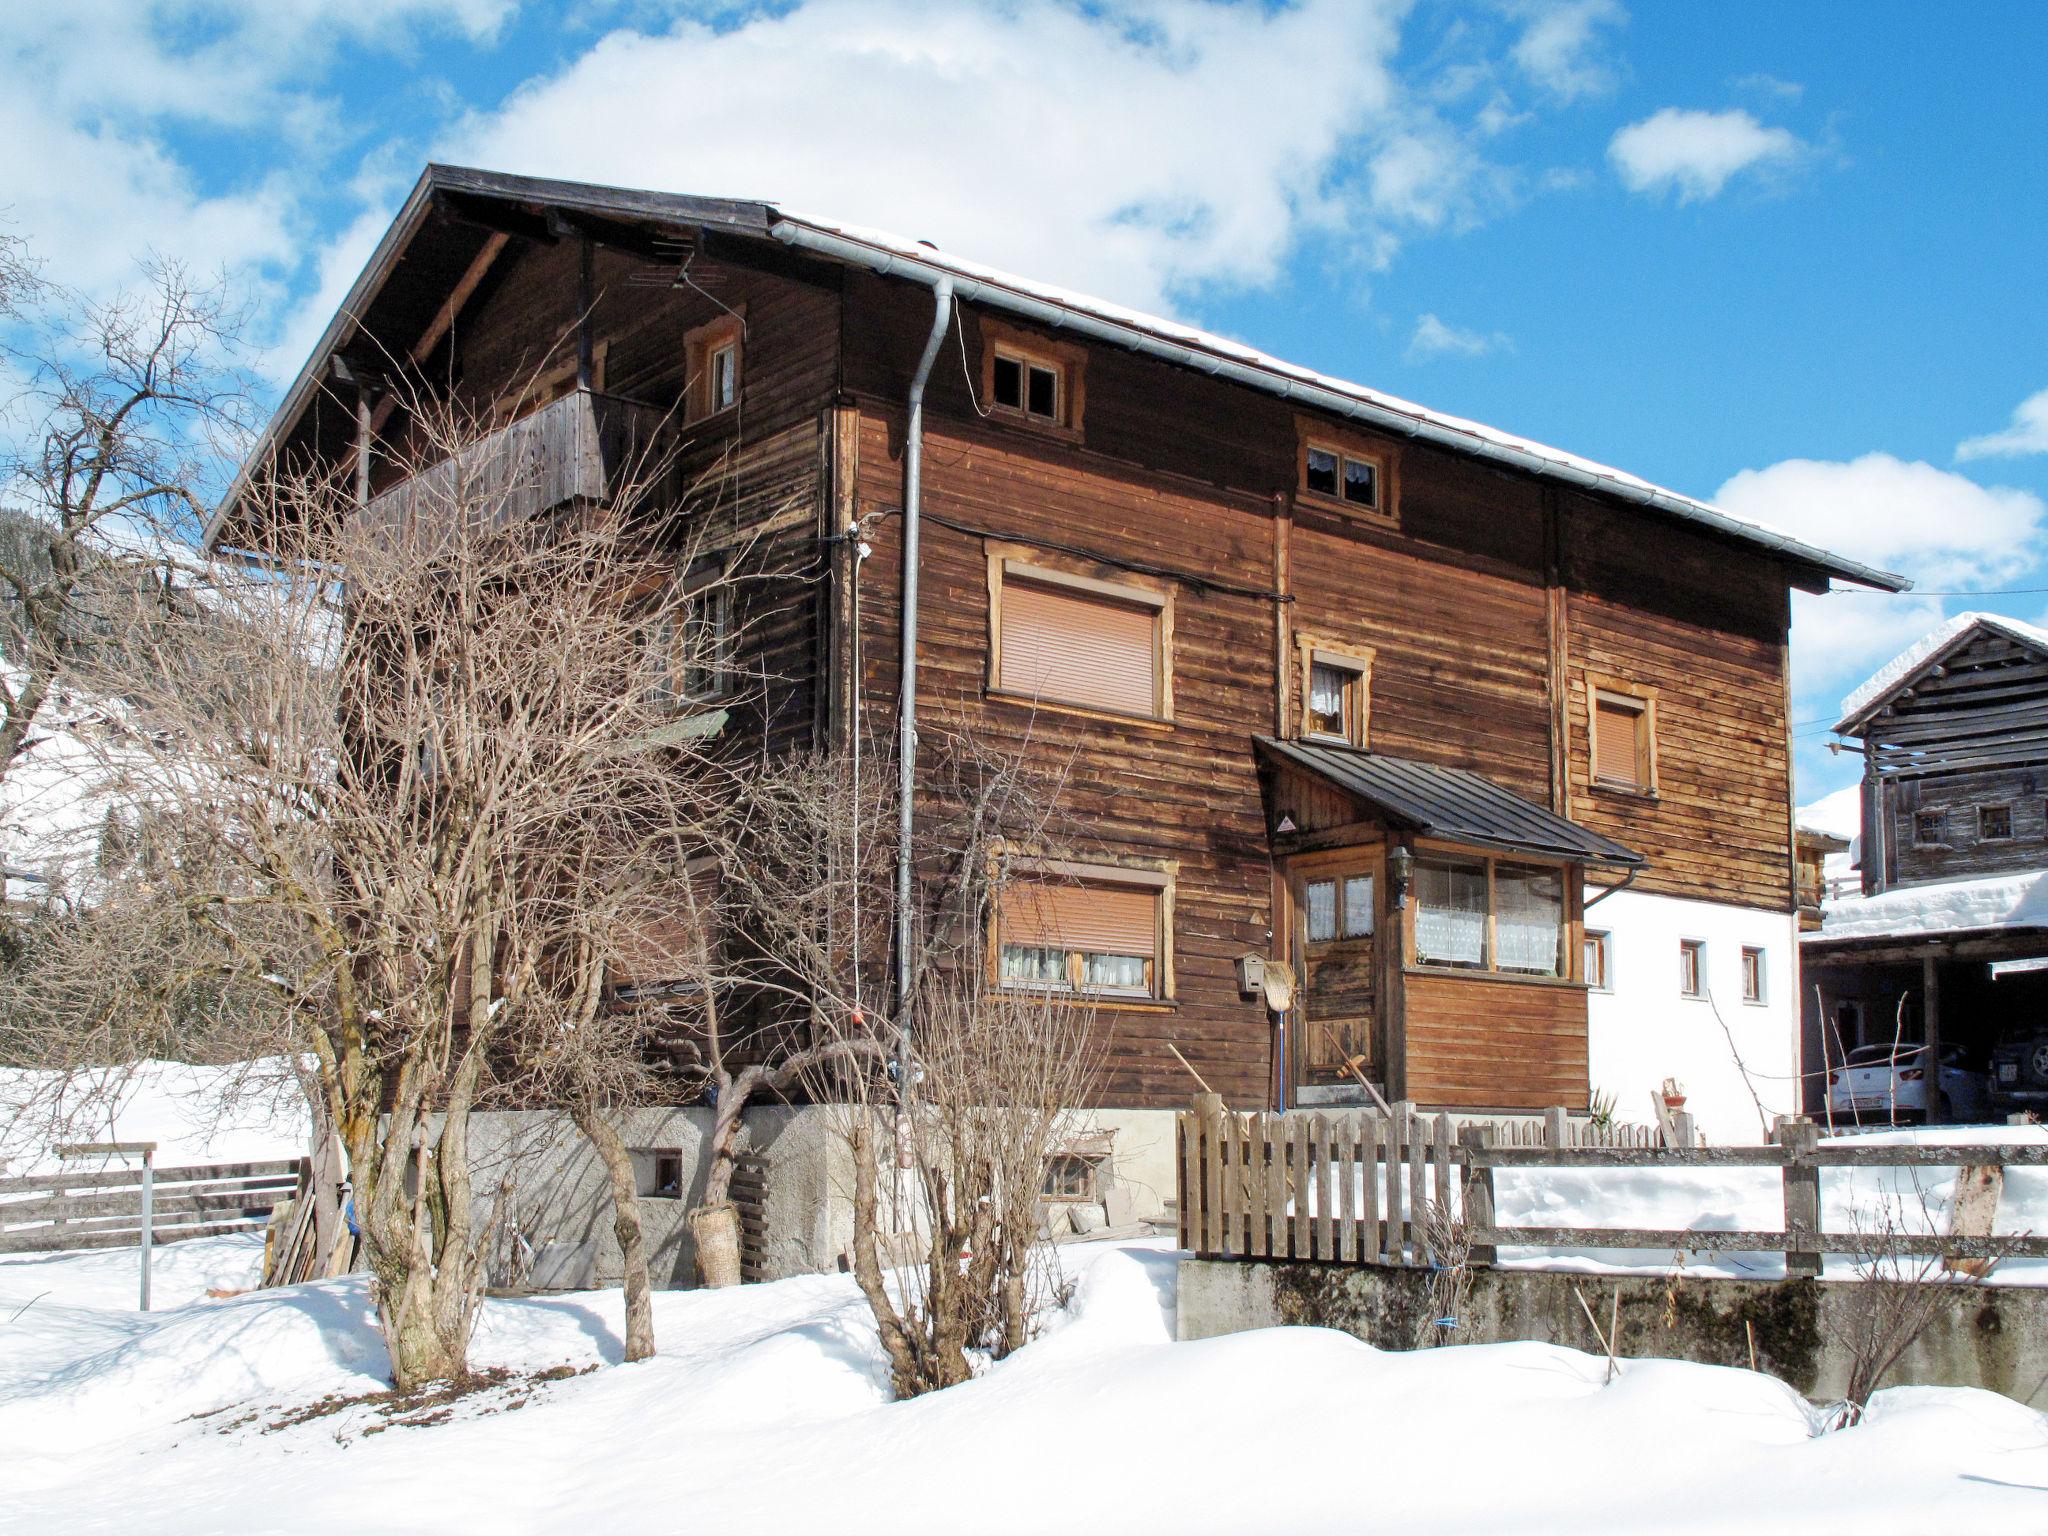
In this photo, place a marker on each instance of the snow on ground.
(1946, 906)
(244, 1112)
(767, 1411)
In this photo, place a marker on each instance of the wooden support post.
(1200, 1222)
(365, 432)
(1478, 1192)
(1930, 1007)
(586, 303)
(1799, 1137)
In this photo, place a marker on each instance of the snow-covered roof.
(1207, 351)
(1946, 907)
(1934, 643)
(1043, 303)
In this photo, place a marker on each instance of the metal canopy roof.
(1450, 803)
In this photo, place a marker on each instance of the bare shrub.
(1895, 1298)
(1448, 1238)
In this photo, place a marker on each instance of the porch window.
(1491, 914)
(1994, 823)
(688, 655)
(1929, 829)
(1450, 912)
(1074, 640)
(1529, 919)
(1093, 937)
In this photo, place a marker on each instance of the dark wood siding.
(1495, 1044)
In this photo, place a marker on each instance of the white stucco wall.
(1643, 1031)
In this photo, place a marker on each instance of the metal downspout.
(906, 697)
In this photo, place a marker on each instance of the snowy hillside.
(246, 1112)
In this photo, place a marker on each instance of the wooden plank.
(1187, 1198)
(1372, 1143)
(1418, 1190)
(1348, 1173)
(1846, 1154)
(123, 1177)
(1326, 1190)
(1647, 1157)
(1300, 1138)
(1217, 1236)
(1397, 1130)
(1258, 1238)
(1479, 1213)
(68, 1239)
(1440, 1159)
(1926, 1245)
(1276, 1184)
(119, 1203)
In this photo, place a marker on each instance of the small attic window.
(1343, 473)
(1031, 380)
(1028, 386)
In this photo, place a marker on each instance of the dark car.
(2019, 1069)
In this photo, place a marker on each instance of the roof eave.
(1049, 312)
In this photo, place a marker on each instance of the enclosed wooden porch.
(1433, 926)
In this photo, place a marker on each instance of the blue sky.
(1788, 257)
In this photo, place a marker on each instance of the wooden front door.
(1336, 922)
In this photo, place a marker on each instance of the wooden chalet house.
(1949, 938)
(1485, 742)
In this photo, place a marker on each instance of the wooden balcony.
(584, 446)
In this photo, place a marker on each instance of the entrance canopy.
(1451, 804)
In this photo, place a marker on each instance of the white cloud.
(1695, 153)
(2028, 433)
(1131, 150)
(1559, 48)
(1937, 527)
(1433, 338)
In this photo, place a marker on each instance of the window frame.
(1384, 458)
(1158, 876)
(665, 668)
(1067, 363)
(1995, 806)
(1940, 839)
(1020, 563)
(1694, 950)
(1356, 660)
(1571, 921)
(1760, 996)
(1638, 700)
(700, 345)
(1603, 940)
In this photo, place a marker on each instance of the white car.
(1887, 1084)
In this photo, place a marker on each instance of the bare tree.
(409, 750)
(951, 1107)
(127, 409)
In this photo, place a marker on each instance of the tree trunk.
(626, 1226)
(716, 1229)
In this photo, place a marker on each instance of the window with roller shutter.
(1091, 936)
(1069, 640)
(1624, 740)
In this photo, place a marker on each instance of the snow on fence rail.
(47, 1212)
(1367, 1188)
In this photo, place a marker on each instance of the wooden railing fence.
(52, 1212)
(1366, 1188)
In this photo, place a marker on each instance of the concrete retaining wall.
(1994, 1337)
(561, 1204)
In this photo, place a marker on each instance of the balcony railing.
(584, 446)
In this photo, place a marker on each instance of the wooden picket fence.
(1366, 1188)
(1349, 1188)
(53, 1212)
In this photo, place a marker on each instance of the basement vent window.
(658, 1172)
(1070, 1176)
